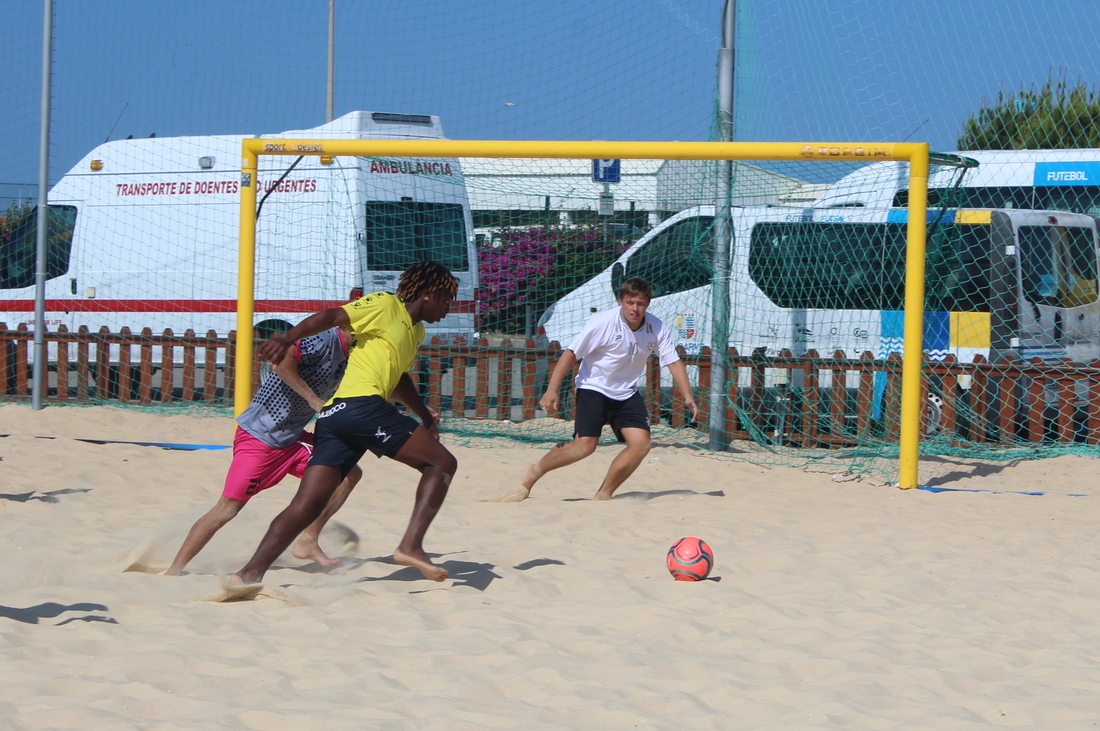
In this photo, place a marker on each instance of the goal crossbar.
(917, 154)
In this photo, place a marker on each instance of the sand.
(834, 603)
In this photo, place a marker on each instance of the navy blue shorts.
(594, 410)
(350, 427)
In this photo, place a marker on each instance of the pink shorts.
(257, 466)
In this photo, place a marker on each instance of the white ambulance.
(144, 232)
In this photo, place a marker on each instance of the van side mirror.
(618, 274)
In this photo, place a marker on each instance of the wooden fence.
(807, 401)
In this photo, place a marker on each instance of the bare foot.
(530, 476)
(422, 562)
(601, 495)
(235, 589)
(173, 571)
(306, 547)
(517, 494)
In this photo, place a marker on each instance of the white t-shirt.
(613, 357)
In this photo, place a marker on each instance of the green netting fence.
(143, 229)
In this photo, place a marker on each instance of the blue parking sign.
(606, 171)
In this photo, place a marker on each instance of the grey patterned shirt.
(277, 415)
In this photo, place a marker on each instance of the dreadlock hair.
(423, 278)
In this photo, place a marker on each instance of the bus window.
(677, 259)
(17, 250)
(852, 266)
(1058, 265)
(1076, 199)
(957, 269)
(829, 266)
(400, 234)
(991, 197)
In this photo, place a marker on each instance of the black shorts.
(351, 426)
(594, 410)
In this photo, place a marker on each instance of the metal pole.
(720, 286)
(331, 56)
(38, 382)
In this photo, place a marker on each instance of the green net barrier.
(143, 229)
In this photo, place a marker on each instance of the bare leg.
(437, 466)
(307, 546)
(561, 455)
(319, 482)
(203, 530)
(625, 462)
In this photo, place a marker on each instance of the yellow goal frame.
(915, 153)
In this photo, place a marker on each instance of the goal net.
(782, 333)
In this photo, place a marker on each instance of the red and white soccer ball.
(690, 559)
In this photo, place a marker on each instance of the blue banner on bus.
(901, 215)
(1066, 173)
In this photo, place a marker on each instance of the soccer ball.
(690, 559)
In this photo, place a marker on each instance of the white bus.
(144, 233)
(1051, 180)
(1015, 283)
(789, 263)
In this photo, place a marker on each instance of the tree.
(1056, 116)
(534, 267)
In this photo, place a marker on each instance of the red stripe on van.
(463, 307)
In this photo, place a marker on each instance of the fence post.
(1092, 419)
(145, 367)
(865, 397)
(733, 374)
(21, 362)
(838, 400)
(811, 397)
(1065, 404)
(504, 380)
(189, 366)
(950, 387)
(1006, 396)
(62, 362)
(1036, 421)
(481, 401)
(527, 380)
(434, 374)
(231, 368)
(124, 365)
(83, 368)
(167, 367)
(103, 365)
(702, 389)
(210, 368)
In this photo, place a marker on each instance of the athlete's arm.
(287, 370)
(406, 393)
(274, 349)
(680, 378)
(549, 400)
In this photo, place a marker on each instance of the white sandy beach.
(837, 604)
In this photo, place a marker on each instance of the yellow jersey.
(384, 346)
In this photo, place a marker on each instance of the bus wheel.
(932, 420)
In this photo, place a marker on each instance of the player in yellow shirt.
(387, 331)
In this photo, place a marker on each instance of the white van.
(144, 233)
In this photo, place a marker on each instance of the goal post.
(917, 155)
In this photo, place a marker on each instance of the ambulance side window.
(19, 243)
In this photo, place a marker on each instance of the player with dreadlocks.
(387, 331)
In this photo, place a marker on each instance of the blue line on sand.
(163, 445)
(1011, 492)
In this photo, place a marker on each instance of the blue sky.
(495, 69)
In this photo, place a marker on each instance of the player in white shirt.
(612, 349)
